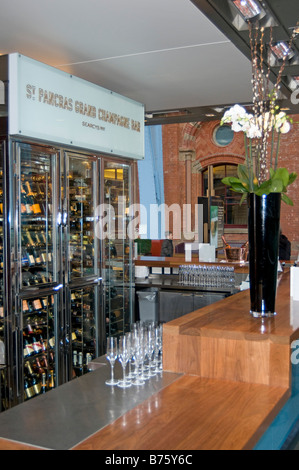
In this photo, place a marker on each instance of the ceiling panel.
(165, 54)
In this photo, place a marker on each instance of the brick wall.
(190, 148)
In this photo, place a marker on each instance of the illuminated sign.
(50, 105)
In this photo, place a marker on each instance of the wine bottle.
(23, 202)
(51, 379)
(37, 256)
(39, 369)
(80, 363)
(37, 305)
(36, 383)
(27, 346)
(37, 347)
(51, 340)
(28, 388)
(35, 207)
(75, 358)
(27, 203)
(44, 383)
(30, 256)
(25, 260)
(42, 342)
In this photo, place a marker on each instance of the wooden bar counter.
(229, 376)
(223, 341)
(236, 377)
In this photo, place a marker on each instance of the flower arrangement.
(262, 128)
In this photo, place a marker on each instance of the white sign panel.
(50, 105)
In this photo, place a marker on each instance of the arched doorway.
(235, 216)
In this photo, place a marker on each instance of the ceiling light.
(248, 8)
(282, 50)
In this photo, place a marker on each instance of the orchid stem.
(272, 147)
(277, 151)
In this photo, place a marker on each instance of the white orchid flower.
(281, 123)
(254, 132)
(234, 114)
(285, 128)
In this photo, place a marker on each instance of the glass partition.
(39, 344)
(37, 203)
(81, 187)
(84, 328)
(117, 247)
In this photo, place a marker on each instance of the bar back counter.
(226, 376)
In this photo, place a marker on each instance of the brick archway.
(222, 159)
(188, 135)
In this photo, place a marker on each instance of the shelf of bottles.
(38, 345)
(37, 237)
(117, 249)
(3, 368)
(4, 395)
(81, 213)
(83, 328)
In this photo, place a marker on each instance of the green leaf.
(227, 181)
(287, 200)
(238, 188)
(244, 196)
(243, 174)
(283, 175)
(292, 178)
(264, 188)
(277, 186)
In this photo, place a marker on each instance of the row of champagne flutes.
(139, 351)
(207, 276)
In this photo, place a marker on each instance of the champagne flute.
(131, 374)
(123, 357)
(158, 348)
(111, 355)
(150, 350)
(138, 358)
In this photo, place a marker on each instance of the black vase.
(263, 236)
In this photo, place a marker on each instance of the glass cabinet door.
(37, 204)
(3, 369)
(82, 188)
(117, 248)
(1, 262)
(84, 337)
(39, 344)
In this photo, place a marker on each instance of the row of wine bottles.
(37, 341)
(37, 305)
(39, 377)
(81, 364)
(34, 278)
(35, 238)
(4, 393)
(35, 199)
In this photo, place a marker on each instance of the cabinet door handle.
(64, 219)
(59, 219)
